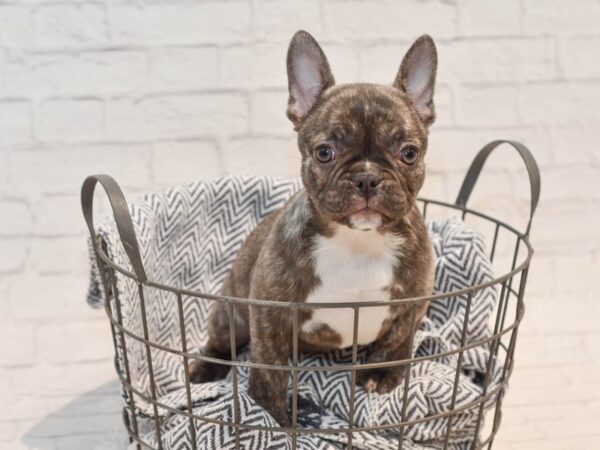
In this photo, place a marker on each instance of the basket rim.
(521, 237)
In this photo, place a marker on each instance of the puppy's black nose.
(367, 183)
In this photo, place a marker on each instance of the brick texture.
(161, 92)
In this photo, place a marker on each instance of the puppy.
(353, 234)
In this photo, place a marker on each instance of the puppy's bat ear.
(308, 75)
(416, 77)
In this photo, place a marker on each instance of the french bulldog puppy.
(353, 234)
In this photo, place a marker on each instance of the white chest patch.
(353, 265)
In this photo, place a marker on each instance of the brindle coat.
(367, 128)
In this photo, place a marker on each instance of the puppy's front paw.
(204, 371)
(276, 406)
(282, 418)
(381, 381)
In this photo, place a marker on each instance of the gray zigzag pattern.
(189, 236)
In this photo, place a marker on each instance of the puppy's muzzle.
(366, 183)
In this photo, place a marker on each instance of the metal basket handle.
(477, 164)
(122, 218)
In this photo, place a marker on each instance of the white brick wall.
(165, 91)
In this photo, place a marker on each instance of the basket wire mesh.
(508, 315)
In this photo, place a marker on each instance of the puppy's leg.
(385, 379)
(271, 343)
(219, 343)
(392, 346)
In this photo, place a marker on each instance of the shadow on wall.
(92, 421)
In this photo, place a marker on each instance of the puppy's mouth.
(367, 218)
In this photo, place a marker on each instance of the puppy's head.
(362, 145)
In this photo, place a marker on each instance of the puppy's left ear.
(308, 75)
(416, 77)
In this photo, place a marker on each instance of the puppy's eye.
(324, 153)
(409, 154)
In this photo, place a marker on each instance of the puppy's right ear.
(308, 75)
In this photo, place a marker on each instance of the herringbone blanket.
(189, 236)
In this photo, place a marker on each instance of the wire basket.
(501, 343)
